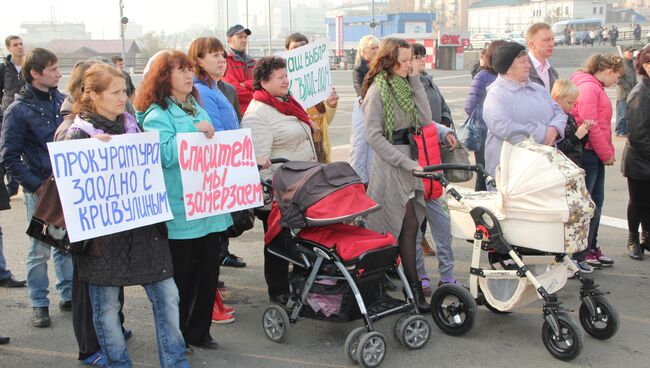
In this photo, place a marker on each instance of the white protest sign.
(219, 175)
(108, 187)
(308, 68)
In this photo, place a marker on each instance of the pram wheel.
(352, 342)
(568, 344)
(602, 326)
(275, 322)
(453, 309)
(371, 350)
(413, 331)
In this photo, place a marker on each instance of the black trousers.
(82, 316)
(196, 272)
(276, 270)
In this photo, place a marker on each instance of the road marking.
(304, 363)
(454, 76)
(613, 222)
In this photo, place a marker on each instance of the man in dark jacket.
(29, 124)
(11, 82)
(239, 72)
(625, 84)
(541, 41)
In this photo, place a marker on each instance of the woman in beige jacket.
(281, 129)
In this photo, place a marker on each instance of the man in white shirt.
(540, 40)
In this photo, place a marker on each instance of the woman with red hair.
(167, 102)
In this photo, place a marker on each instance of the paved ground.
(495, 341)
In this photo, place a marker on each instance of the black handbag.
(48, 224)
(458, 155)
(242, 221)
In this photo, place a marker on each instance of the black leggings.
(638, 208)
(406, 241)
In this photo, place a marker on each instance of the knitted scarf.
(400, 89)
(189, 105)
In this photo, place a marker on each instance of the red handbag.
(426, 139)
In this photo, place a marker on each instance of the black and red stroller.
(337, 267)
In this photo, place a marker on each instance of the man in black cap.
(239, 71)
(623, 89)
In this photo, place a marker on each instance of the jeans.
(440, 226)
(4, 272)
(37, 257)
(621, 121)
(164, 304)
(595, 181)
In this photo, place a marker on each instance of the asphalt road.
(512, 340)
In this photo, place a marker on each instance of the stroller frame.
(558, 326)
(363, 345)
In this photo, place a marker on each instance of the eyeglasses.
(419, 57)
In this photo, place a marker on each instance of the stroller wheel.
(352, 342)
(371, 350)
(605, 324)
(453, 309)
(413, 331)
(275, 322)
(568, 344)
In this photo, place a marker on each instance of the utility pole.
(270, 47)
(123, 21)
(373, 24)
(290, 19)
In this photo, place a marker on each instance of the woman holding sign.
(168, 102)
(280, 129)
(105, 266)
(394, 101)
(320, 114)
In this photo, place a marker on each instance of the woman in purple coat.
(475, 98)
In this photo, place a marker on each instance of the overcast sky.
(101, 17)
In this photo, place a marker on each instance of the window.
(566, 10)
(601, 10)
(595, 9)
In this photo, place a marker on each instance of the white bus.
(580, 25)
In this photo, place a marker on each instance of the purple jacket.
(478, 91)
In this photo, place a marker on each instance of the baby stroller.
(527, 228)
(337, 267)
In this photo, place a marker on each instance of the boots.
(634, 249)
(426, 248)
(418, 294)
(219, 314)
(645, 241)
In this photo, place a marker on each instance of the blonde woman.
(366, 51)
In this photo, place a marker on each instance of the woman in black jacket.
(366, 51)
(636, 159)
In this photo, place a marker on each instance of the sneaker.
(219, 316)
(232, 260)
(584, 267)
(65, 305)
(603, 259)
(593, 261)
(95, 360)
(41, 317)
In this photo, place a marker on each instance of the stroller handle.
(433, 172)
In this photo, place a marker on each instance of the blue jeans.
(4, 272)
(39, 254)
(440, 227)
(621, 121)
(595, 181)
(163, 296)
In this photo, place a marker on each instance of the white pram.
(539, 214)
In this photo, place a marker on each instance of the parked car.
(480, 40)
(515, 37)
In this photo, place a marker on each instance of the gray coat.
(391, 182)
(534, 77)
(440, 112)
(626, 82)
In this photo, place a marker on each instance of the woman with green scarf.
(394, 101)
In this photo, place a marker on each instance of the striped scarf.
(402, 92)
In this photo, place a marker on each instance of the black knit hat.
(505, 55)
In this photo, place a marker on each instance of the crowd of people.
(217, 87)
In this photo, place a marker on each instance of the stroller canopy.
(314, 194)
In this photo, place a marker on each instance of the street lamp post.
(123, 21)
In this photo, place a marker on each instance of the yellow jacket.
(321, 134)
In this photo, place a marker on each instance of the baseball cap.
(237, 28)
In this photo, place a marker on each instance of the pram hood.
(314, 194)
(538, 183)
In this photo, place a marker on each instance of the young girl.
(565, 94)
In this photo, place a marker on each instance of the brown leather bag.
(48, 224)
